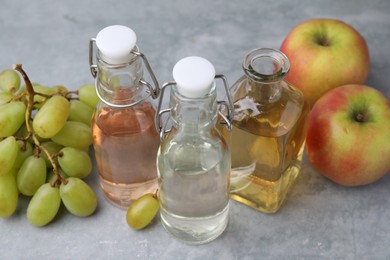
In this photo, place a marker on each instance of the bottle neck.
(263, 92)
(193, 115)
(265, 69)
(120, 83)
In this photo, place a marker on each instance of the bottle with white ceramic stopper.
(124, 134)
(193, 160)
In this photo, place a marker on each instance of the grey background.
(320, 220)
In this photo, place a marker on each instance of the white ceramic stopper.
(194, 76)
(115, 43)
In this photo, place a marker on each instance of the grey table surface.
(320, 220)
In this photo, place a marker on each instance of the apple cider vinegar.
(268, 134)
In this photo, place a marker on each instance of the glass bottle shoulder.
(267, 109)
(193, 153)
(125, 121)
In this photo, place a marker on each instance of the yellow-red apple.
(348, 138)
(324, 54)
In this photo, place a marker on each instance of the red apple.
(324, 54)
(348, 138)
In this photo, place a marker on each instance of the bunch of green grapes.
(45, 134)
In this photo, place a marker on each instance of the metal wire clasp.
(227, 119)
(93, 67)
(153, 91)
(160, 127)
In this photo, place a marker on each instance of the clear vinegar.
(126, 144)
(194, 199)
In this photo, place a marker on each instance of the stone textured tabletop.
(320, 220)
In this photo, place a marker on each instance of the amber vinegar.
(266, 154)
(269, 129)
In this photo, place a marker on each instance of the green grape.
(87, 95)
(44, 205)
(75, 162)
(78, 198)
(9, 81)
(22, 132)
(14, 172)
(74, 134)
(31, 175)
(80, 112)
(53, 148)
(11, 117)
(8, 195)
(24, 151)
(60, 89)
(142, 211)
(8, 153)
(51, 117)
(5, 98)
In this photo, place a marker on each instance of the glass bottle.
(193, 161)
(269, 129)
(124, 134)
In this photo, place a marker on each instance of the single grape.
(74, 134)
(25, 150)
(87, 95)
(142, 211)
(44, 205)
(5, 98)
(51, 117)
(60, 89)
(11, 117)
(53, 148)
(80, 112)
(9, 81)
(8, 195)
(31, 175)
(75, 162)
(78, 198)
(8, 153)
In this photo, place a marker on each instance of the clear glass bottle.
(193, 160)
(124, 134)
(269, 129)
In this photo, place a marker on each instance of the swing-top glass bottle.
(193, 159)
(124, 134)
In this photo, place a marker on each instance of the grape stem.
(76, 92)
(18, 97)
(155, 194)
(37, 152)
(30, 104)
(62, 93)
(42, 94)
